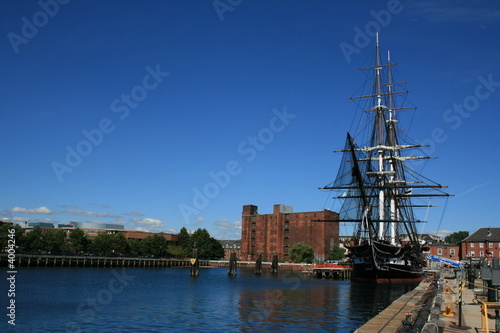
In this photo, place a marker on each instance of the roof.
(230, 244)
(481, 234)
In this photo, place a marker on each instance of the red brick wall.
(275, 233)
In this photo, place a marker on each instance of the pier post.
(274, 264)
(194, 263)
(232, 264)
(258, 264)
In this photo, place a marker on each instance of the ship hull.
(395, 264)
(395, 274)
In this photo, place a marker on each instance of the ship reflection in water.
(291, 302)
(77, 299)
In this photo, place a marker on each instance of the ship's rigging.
(376, 183)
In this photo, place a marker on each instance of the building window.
(481, 253)
(286, 241)
(471, 244)
(253, 225)
(490, 245)
(481, 245)
(287, 224)
(472, 253)
(285, 249)
(452, 252)
(468, 254)
(440, 251)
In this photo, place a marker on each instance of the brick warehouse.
(275, 233)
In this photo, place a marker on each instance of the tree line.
(57, 242)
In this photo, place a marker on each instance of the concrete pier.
(434, 307)
(390, 319)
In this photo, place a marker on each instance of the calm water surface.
(168, 300)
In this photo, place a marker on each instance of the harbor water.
(86, 299)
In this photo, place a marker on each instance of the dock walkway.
(444, 309)
(389, 320)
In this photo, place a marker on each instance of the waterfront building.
(482, 243)
(276, 233)
(444, 250)
(231, 246)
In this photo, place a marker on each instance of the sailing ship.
(379, 188)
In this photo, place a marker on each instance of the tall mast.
(391, 138)
(379, 127)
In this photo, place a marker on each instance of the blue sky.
(164, 114)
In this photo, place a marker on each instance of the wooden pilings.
(232, 264)
(194, 263)
(258, 264)
(332, 273)
(91, 261)
(274, 264)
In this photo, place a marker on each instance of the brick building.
(483, 243)
(275, 233)
(448, 251)
(231, 246)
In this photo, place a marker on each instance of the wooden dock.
(390, 320)
(28, 260)
(332, 272)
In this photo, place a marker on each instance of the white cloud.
(118, 221)
(5, 212)
(200, 219)
(50, 220)
(456, 13)
(89, 213)
(39, 210)
(440, 233)
(228, 230)
(149, 223)
(22, 219)
(134, 214)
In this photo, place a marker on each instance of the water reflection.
(299, 303)
(168, 300)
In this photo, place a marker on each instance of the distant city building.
(231, 246)
(41, 225)
(92, 229)
(276, 233)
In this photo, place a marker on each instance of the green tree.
(155, 245)
(456, 237)
(207, 246)
(4, 236)
(102, 245)
(215, 251)
(34, 242)
(185, 242)
(55, 241)
(336, 253)
(135, 247)
(78, 242)
(120, 244)
(301, 252)
(176, 251)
